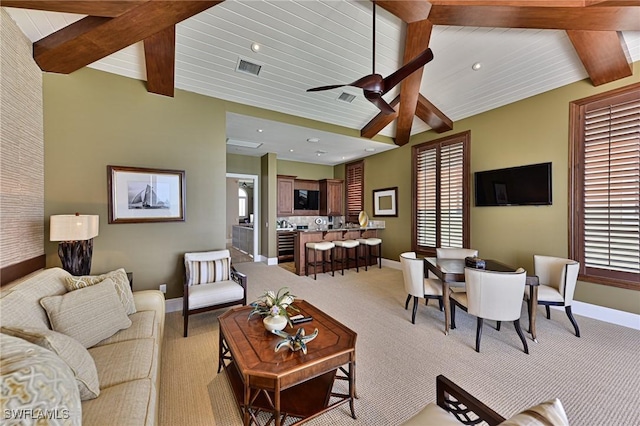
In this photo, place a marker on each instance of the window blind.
(612, 188)
(354, 193)
(451, 194)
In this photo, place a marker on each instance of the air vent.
(244, 144)
(247, 67)
(346, 97)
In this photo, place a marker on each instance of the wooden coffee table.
(286, 384)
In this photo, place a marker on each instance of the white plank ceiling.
(310, 43)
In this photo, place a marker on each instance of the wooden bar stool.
(367, 244)
(346, 245)
(322, 247)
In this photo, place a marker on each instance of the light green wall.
(529, 131)
(268, 199)
(305, 170)
(93, 119)
(243, 164)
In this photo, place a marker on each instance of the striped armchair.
(211, 283)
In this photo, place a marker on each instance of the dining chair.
(557, 277)
(455, 253)
(491, 295)
(416, 285)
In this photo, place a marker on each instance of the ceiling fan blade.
(405, 71)
(376, 99)
(321, 88)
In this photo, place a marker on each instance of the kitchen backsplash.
(320, 222)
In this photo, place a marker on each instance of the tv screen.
(515, 186)
(305, 199)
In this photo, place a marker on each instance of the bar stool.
(367, 244)
(346, 245)
(322, 247)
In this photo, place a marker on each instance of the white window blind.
(612, 188)
(451, 195)
(426, 186)
(354, 173)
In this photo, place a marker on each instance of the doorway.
(242, 214)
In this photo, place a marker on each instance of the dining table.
(452, 271)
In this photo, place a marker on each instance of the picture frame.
(385, 202)
(500, 190)
(139, 195)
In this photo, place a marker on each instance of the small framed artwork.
(501, 193)
(385, 202)
(138, 195)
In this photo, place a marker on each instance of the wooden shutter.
(612, 187)
(354, 192)
(451, 195)
(426, 200)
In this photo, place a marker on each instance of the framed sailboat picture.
(138, 195)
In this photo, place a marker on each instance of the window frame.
(465, 138)
(576, 219)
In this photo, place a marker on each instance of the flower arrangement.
(274, 304)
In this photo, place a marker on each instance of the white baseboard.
(173, 305)
(272, 261)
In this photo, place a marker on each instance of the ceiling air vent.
(247, 67)
(346, 97)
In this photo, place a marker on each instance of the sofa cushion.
(432, 415)
(70, 351)
(130, 403)
(89, 315)
(549, 413)
(143, 325)
(214, 293)
(120, 279)
(125, 361)
(35, 380)
(20, 304)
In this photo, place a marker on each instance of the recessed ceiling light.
(370, 149)
(319, 153)
(259, 130)
(476, 66)
(290, 150)
(255, 47)
(313, 140)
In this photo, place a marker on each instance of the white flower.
(286, 301)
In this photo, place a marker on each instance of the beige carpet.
(597, 376)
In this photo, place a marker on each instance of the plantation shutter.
(612, 187)
(426, 184)
(451, 195)
(354, 190)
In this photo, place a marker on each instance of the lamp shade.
(69, 227)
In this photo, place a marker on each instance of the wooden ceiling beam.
(380, 121)
(417, 40)
(536, 3)
(160, 59)
(66, 51)
(604, 55)
(430, 114)
(409, 11)
(107, 9)
(598, 17)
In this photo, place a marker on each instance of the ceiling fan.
(373, 85)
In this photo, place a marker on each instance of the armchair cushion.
(549, 413)
(214, 294)
(432, 415)
(208, 267)
(546, 294)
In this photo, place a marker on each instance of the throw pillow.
(212, 271)
(549, 413)
(119, 277)
(88, 315)
(36, 384)
(70, 351)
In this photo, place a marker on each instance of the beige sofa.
(127, 362)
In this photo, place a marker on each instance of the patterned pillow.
(36, 384)
(549, 413)
(70, 351)
(212, 271)
(88, 315)
(119, 277)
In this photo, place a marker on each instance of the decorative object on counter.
(297, 342)
(385, 202)
(139, 195)
(363, 218)
(274, 307)
(75, 233)
(474, 262)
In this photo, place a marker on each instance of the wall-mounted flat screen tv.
(528, 185)
(306, 199)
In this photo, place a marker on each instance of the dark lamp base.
(76, 256)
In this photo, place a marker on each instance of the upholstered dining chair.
(455, 253)
(491, 295)
(211, 282)
(416, 285)
(557, 277)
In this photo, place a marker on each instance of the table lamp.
(75, 233)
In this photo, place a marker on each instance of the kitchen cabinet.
(331, 197)
(285, 195)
